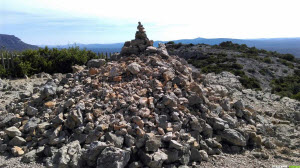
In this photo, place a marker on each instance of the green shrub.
(251, 70)
(288, 57)
(49, 61)
(2, 71)
(287, 86)
(285, 71)
(267, 60)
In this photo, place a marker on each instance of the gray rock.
(135, 165)
(49, 90)
(67, 156)
(151, 49)
(96, 63)
(134, 68)
(162, 121)
(17, 141)
(31, 111)
(13, 131)
(195, 155)
(69, 103)
(115, 56)
(152, 144)
(203, 155)
(29, 157)
(93, 152)
(195, 124)
(129, 140)
(162, 50)
(74, 119)
(112, 157)
(233, 137)
(31, 124)
(173, 155)
(174, 144)
(114, 139)
(154, 160)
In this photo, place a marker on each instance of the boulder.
(233, 137)
(96, 63)
(134, 68)
(112, 157)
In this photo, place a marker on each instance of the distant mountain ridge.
(13, 43)
(281, 45)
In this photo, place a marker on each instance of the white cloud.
(174, 19)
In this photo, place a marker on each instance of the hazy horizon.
(61, 22)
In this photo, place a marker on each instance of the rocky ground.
(11, 90)
(216, 118)
(147, 109)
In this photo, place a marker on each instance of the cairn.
(139, 44)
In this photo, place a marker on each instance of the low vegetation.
(47, 60)
(284, 86)
(219, 63)
(287, 86)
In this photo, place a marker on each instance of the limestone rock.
(13, 131)
(234, 137)
(96, 63)
(112, 157)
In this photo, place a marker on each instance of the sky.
(58, 22)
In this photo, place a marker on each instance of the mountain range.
(281, 45)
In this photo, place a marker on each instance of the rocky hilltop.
(148, 109)
(12, 43)
(260, 65)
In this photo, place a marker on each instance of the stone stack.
(139, 44)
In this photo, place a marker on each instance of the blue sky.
(56, 22)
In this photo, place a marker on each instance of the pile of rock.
(139, 44)
(153, 110)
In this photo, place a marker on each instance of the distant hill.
(281, 45)
(13, 43)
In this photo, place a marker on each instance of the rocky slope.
(261, 66)
(153, 110)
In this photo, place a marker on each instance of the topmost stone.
(139, 44)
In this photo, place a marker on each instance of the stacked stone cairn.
(148, 109)
(139, 44)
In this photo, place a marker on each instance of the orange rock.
(117, 78)
(104, 127)
(140, 132)
(161, 131)
(50, 104)
(118, 127)
(93, 71)
(17, 151)
(169, 129)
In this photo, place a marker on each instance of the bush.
(287, 86)
(288, 57)
(251, 70)
(171, 42)
(2, 71)
(267, 60)
(49, 61)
